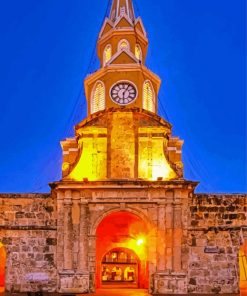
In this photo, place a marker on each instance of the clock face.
(123, 93)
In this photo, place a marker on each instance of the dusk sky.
(197, 47)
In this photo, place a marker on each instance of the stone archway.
(2, 267)
(123, 230)
(243, 268)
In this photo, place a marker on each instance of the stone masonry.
(217, 229)
(29, 229)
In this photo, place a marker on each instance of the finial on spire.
(120, 8)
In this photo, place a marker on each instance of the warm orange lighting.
(140, 242)
(2, 268)
(92, 163)
(243, 266)
(152, 160)
(125, 233)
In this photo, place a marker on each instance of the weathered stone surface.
(26, 230)
(32, 231)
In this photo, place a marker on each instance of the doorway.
(122, 252)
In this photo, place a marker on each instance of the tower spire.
(120, 8)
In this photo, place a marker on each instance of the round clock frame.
(123, 92)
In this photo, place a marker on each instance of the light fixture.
(140, 242)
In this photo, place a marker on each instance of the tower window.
(98, 97)
(123, 44)
(148, 97)
(107, 54)
(138, 52)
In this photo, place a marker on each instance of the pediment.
(123, 57)
(124, 22)
(107, 26)
(139, 26)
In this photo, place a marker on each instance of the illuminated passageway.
(2, 267)
(243, 269)
(127, 292)
(121, 249)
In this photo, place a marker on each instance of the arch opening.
(98, 97)
(148, 96)
(107, 54)
(123, 44)
(121, 252)
(120, 267)
(243, 268)
(2, 267)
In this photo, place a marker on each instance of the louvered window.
(138, 52)
(98, 98)
(107, 54)
(148, 97)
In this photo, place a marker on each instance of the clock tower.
(124, 94)
(123, 79)
(122, 200)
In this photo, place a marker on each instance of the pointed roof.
(120, 8)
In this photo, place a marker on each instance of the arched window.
(107, 54)
(98, 97)
(148, 97)
(123, 44)
(138, 52)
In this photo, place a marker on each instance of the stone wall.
(217, 226)
(216, 231)
(28, 232)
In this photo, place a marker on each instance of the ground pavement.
(121, 292)
(115, 292)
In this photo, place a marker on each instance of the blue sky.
(196, 47)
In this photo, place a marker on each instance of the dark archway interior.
(122, 236)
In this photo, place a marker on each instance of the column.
(161, 264)
(68, 228)
(169, 233)
(177, 236)
(83, 238)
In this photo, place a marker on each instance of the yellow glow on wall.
(152, 161)
(138, 246)
(148, 97)
(107, 54)
(140, 241)
(98, 98)
(243, 268)
(92, 163)
(138, 52)
(122, 146)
